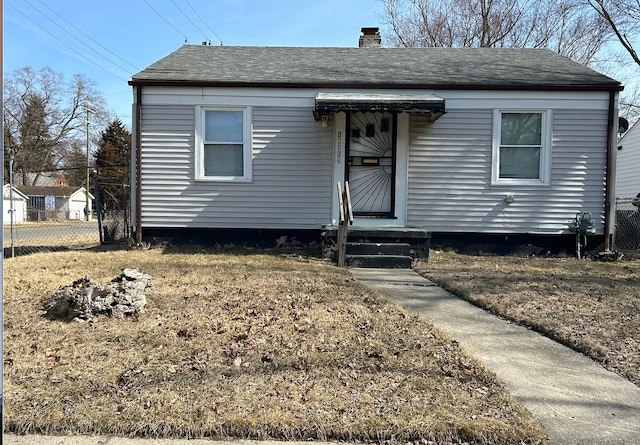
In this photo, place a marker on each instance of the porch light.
(321, 117)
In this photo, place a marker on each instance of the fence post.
(96, 193)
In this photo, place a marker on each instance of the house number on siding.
(339, 146)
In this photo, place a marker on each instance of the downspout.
(138, 163)
(609, 199)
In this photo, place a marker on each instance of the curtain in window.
(223, 160)
(520, 145)
(223, 148)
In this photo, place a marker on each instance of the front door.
(371, 166)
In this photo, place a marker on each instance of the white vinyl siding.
(628, 171)
(292, 173)
(450, 187)
(19, 205)
(296, 163)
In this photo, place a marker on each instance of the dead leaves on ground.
(248, 346)
(594, 307)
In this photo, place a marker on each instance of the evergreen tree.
(36, 154)
(112, 164)
(75, 165)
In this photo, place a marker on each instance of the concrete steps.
(379, 247)
(379, 255)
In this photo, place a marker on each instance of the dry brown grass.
(593, 307)
(252, 346)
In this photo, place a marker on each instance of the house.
(46, 179)
(460, 141)
(628, 190)
(628, 169)
(18, 208)
(54, 203)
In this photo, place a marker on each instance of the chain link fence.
(47, 231)
(44, 220)
(112, 200)
(628, 225)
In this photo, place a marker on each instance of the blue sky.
(110, 40)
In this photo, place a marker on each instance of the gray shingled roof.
(371, 67)
(37, 190)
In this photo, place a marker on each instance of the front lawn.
(590, 306)
(241, 345)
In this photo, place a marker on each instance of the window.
(522, 145)
(223, 148)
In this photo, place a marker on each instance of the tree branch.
(603, 11)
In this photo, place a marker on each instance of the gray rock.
(123, 296)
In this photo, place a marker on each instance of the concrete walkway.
(574, 398)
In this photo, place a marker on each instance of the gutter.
(609, 198)
(138, 117)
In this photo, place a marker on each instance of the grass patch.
(248, 346)
(592, 307)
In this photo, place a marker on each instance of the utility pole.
(12, 209)
(87, 208)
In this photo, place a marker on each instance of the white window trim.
(247, 149)
(545, 152)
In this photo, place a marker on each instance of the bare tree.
(564, 26)
(570, 29)
(623, 16)
(43, 117)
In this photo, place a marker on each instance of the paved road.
(44, 231)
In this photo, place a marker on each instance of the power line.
(64, 43)
(88, 36)
(168, 23)
(190, 21)
(202, 20)
(76, 38)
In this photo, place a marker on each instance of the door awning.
(401, 103)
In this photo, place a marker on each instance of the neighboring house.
(46, 179)
(628, 190)
(19, 207)
(54, 203)
(628, 170)
(459, 141)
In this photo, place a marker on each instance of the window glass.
(223, 153)
(223, 126)
(521, 129)
(223, 160)
(520, 151)
(520, 162)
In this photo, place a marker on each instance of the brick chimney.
(370, 38)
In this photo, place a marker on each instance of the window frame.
(247, 145)
(546, 138)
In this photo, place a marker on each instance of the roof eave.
(395, 86)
